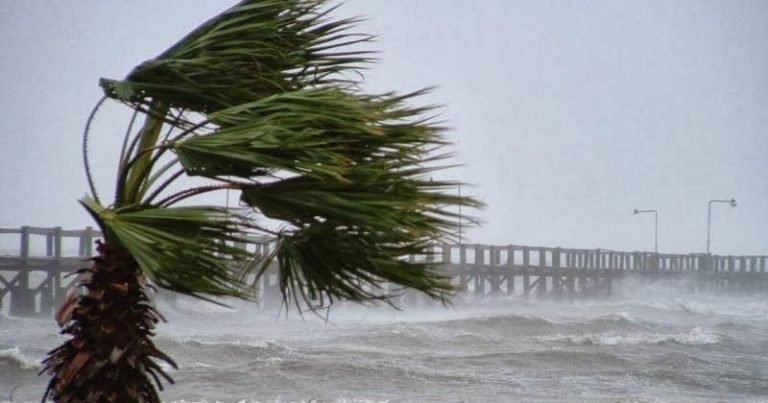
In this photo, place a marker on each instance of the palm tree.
(264, 100)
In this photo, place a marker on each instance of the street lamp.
(655, 227)
(732, 202)
(458, 185)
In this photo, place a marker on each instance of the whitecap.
(24, 361)
(695, 336)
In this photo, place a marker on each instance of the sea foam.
(24, 361)
(695, 336)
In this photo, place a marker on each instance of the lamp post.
(458, 185)
(655, 227)
(731, 202)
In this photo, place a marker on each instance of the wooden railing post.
(541, 288)
(446, 258)
(22, 303)
(49, 288)
(510, 270)
(480, 270)
(86, 242)
(57, 242)
(557, 276)
(24, 246)
(495, 273)
(526, 269)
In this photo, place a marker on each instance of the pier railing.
(34, 263)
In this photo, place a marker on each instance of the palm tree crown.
(264, 100)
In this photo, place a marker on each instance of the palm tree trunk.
(110, 356)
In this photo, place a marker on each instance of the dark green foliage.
(253, 50)
(261, 101)
(186, 249)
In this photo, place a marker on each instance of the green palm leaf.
(325, 132)
(192, 250)
(253, 50)
(323, 262)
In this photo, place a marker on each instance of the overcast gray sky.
(567, 115)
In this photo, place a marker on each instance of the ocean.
(642, 344)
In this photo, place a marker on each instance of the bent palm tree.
(261, 99)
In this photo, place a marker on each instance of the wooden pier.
(33, 277)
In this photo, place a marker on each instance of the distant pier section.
(33, 272)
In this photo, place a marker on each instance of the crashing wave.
(695, 336)
(15, 356)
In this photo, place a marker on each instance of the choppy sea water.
(648, 345)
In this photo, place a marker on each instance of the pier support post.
(526, 276)
(480, 271)
(22, 301)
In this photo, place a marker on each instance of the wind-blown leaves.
(191, 250)
(253, 50)
(391, 203)
(263, 103)
(322, 132)
(323, 262)
(260, 100)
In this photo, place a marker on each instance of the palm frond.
(192, 250)
(324, 262)
(349, 237)
(382, 200)
(320, 132)
(255, 49)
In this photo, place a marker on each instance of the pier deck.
(34, 279)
